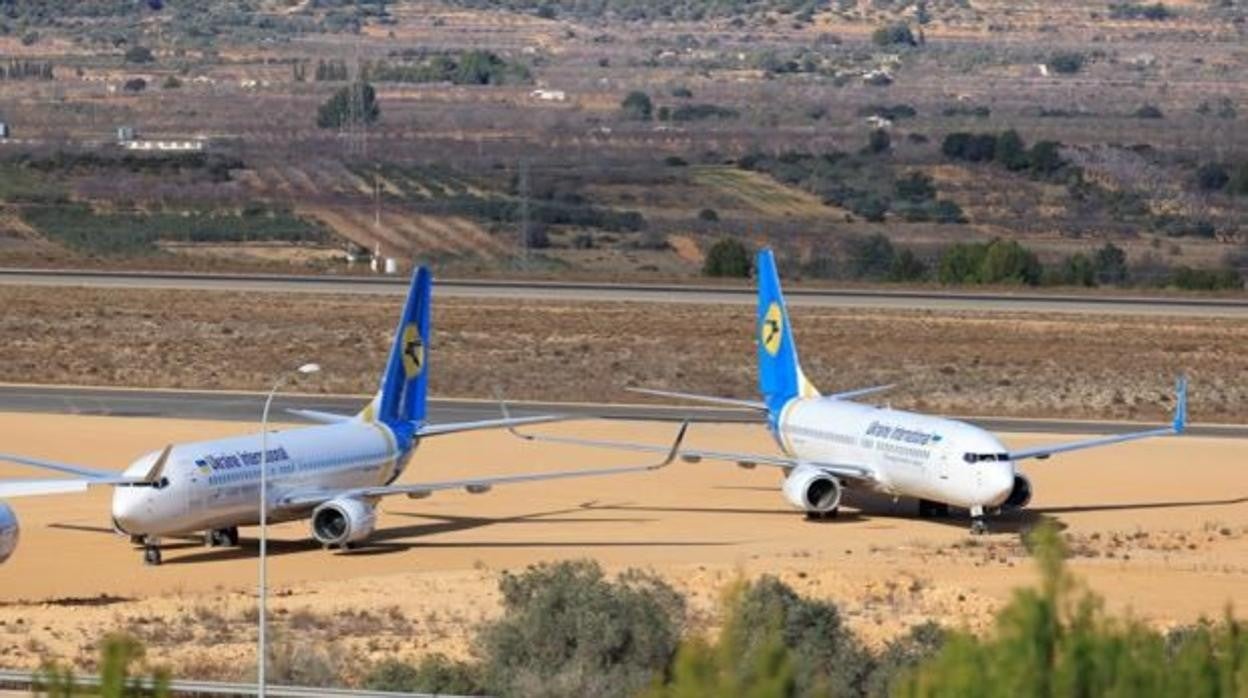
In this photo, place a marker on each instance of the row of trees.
(876, 258)
(26, 70)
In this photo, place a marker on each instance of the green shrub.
(567, 630)
(915, 186)
(1149, 111)
(894, 35)
(879, 141)
(728, 257)
(1206, 280)
(139, 54)
(1057, 641)
(773, 643)
(700, 112)
(1110, 264)
(709, 215)
(434, 674)
(119, 653)
(907, 267)
(637, 106)
(870, 257)
(1212, 176)
(353, 104)
(1010, 151)
(1067, 62)
(999, 261)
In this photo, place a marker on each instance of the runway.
(246, 407)
(643, 293)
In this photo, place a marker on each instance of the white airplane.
(334, 473)
(832, 443)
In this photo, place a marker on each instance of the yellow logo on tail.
(413, 352)
(771, 330)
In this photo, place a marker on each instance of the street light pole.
(264, 520)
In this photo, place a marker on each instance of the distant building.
(549, 95)
(4, 130)
(175, 146)
(125, 134)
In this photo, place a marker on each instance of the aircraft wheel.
(821, 515)
(979, 527)
(151, 556)
(231, 535)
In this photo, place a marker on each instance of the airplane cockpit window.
(982, 457)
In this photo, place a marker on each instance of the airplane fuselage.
(216, 484)
(910, 454)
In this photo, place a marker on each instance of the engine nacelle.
(343, 520)
(1020, 495)
(9, 531)
(812, 490)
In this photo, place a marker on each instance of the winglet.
(675, 450)
(1180, 405)
(158, 468)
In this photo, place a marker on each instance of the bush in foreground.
(728, 257)
(567, 630)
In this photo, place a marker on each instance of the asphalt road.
(567, 291)
(246, 407)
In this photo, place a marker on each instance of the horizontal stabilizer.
(859, 392)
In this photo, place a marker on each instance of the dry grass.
(953, 362)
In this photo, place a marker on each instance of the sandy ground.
(1160, 528)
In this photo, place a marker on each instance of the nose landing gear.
(979, 523)
(151, 552)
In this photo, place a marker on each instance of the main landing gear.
(222, 537)
(822, 515)
(933, 510)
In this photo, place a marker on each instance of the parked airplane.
(832, 443)
(333, 473)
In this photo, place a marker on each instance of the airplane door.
(942, 467)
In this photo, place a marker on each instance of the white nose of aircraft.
(133, 507)
(996, 482)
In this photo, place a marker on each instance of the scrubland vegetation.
(625, 139)
(569, 629)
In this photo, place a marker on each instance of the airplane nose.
(127, 516)
(999, 482)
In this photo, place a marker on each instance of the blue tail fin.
(780, 375)
(405, 382)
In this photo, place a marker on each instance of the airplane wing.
(478, 485)
(751, 404)
(321, 417)
(456, 427)
(745, 460)
(85, 477)
(1176, 427)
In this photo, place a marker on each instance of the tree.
(879, 141)
(959, 263)
(1077, 270)
(1010, 151)
(139, 54)
(354, 104)
(1046, 157)
(916, 187)
(728, 257)
(1067, 62)
(870, 257)
(907, 267)
(434, 674)
(637, 106)
(1212, 176)
(894, 34)
(1110, 264)
(1238, 182)
(1007, 261)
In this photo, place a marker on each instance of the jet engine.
(343, 521)
(1020, 496)
(812, 490)
(8, 531)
